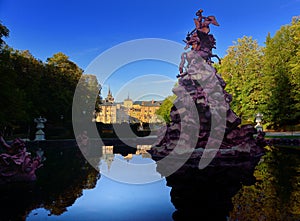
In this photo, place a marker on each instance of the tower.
(109, 98)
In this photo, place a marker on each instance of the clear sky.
(84, 29)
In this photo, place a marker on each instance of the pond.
(68, 188)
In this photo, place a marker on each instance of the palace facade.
(127, 111)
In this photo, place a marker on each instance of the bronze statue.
(200, 40)
(202, 23)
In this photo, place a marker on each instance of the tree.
(281, 66)
(12, 97)
(59, 84)
(20, 80)
(87, 98)
(4, 32)
(294, 65)
(165, 108)
(241, 69)
(31, 88)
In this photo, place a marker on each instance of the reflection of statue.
(16, 164)
(206, 194)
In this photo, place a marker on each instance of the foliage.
(88, 98)
(241, 70)
(275, 195)
(19, 82)
(266, 79)
(165, 108)
(281, 66)
(32, 88)
(62, 76)
(294, 63)
(4, 32)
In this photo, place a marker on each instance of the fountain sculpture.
(203, 105)
(222, 153)
(16, 163)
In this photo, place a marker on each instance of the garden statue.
(40, 135)
(258, 120)
(16, 164)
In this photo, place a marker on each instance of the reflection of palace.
(142, 150)
(108, 155)
(127, 111)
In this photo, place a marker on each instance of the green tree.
(29, 71)
(241, 69)
(87, 98)
(12, 97)
(31, 88)
(281, 66)
(59, 84)
(4, 32)
(294, 65)
(165, 108)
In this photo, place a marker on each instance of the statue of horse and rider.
(200, 40)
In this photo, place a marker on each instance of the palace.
(128, 111)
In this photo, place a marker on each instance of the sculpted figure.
(200, 41)
(16, 164)
(194, 41)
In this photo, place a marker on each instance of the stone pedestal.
(39, 135)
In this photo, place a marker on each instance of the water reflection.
(68, 188)
(276, 194)
(206, 194)
(59, 192)
(239, 193)
(270, 192)
(60, 182)
(128, 165)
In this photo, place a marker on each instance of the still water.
(68, 188)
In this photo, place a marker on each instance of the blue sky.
(84, 29)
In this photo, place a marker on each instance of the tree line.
(262, 79)
(266, 79)
(30, 88)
